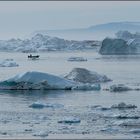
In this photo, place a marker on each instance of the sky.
(21, 18)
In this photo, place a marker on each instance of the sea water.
(19, 120)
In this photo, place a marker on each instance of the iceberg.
(70, 120)
(37, 105)
(79, 59)
(43, 43)
(8, 63)
(127, 117)
(83, 75)
(123, 106)
(126, 43)
(116, 47)
(41, 81)
(40, 105)
(36, 80)
(41, 134)
(119, 88)
(135, 131)
(87, 87)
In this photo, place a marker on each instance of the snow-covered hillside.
(41, 43)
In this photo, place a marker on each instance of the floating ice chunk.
(69, 120)
(131, 124)
(54, 105)
(135, 131)
(39, 105)
(41, 134)
(127, 117)
(83, 75)
(124, 106)
(87, 87)
(77, 59)
(3, 133)
(8, 63)
(112, 130)
(9, 59)
(119, 88)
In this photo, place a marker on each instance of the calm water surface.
(18, 120)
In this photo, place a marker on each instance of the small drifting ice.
(39, 105)
(83, 75)
(42, 81)
(77, 59)
(8, 63)
(70, 120)
(119, 88)
(121, 105)
(124, 106)
(127, 117)
(135, 131)
(87, 87)
(41, 134)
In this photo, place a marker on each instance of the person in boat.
(31, 56)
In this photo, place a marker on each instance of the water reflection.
(35, 94)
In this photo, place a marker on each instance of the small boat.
(33, 56)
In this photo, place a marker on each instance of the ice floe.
(40, 105)
(87, 87)
(41, 134)
(39, 80)
(83, 75)
(77, 59)
(135, 131)
(70, 120)
(126, 117)
(8, 63)
(122, 105)
(119, 88)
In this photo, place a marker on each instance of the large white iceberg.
(39, 80)
(83, 75)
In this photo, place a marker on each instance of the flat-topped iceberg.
(39, 80)
(83, 75)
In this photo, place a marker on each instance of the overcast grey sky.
(20, 18)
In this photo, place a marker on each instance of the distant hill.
(96, 32)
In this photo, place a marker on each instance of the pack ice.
(39, 80)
